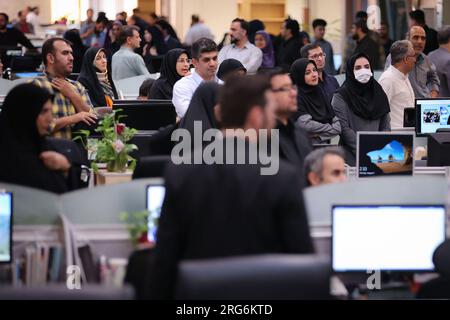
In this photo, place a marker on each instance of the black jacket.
(226, 210)
(288, 52)
(371, 49)
(432, 40)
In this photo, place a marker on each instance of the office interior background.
(82, 245)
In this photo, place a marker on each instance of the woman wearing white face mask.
(360, 104)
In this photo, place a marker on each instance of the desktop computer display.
(155, 199)
(386, 238)
(431, 115)
(5, 227)
(384, 153)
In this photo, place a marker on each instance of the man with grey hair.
(441, 58)
(424, 78)
(395, 81)
(325, 165)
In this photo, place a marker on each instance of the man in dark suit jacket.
(289, 49)
(294, 142)
(224, 210)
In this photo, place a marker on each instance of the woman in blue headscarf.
(263, 41)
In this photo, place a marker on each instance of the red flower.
(119, 128)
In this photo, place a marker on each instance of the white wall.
(294, 8)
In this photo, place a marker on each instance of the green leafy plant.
(112, 148)
(138, 225)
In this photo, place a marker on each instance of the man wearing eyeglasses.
(205, 61)
(294, 142)
(395, 81)
(328, 83)
(424, 77)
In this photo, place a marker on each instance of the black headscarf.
(20, 109)
(201, 107)
(311, 99)
(22, 143)
(366, 100)
(89, 79)
(73, 35)
(163, 87)
(228, 66)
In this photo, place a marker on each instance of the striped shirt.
(62, 106)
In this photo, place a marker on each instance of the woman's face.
(260, 42)
(183, 64)
(311, 75)
(44, 119)
(147, 36)
(361, 63)
(100, 61)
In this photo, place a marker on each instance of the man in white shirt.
(204, 59)
(240, 48)
(395, 81)
(125, 62)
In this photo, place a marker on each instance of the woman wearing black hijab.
(360, 104)
(25, 120)
(73, 35)
(315, 114)
(201, 108)
(95, 76)
(175, 65)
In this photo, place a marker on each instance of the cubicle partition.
(383, 190)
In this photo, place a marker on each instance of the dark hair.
(314, 160)
(146, 86)
(73, 36)
(168, 27)
(153, 15)
(201, 46)
(319, 23)
(292, 25)
(5, 15)
(304, 51)
(278, 71)
(127, 31)
(444, 36)
(244, 25)
(418, 16)
(361, 24)
(49, 47)
(361, 15)
(195, 18)
(250, 90)
(384, 23)
(90, 9)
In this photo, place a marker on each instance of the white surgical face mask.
(363, 75)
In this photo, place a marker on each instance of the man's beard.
(234, 40)
(355, 37)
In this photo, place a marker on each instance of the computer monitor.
(438, 149)
(386, 237)
(384, 154)
(155, 199)
(6, 209)
(431, 115)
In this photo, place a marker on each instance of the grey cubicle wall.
(382, 190)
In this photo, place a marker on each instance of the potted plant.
(113, 148)
(138, 226)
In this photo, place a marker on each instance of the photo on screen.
(5, 227)
(385, 154)
(155, 199)
(432, 115)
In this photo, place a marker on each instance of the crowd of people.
(259, 81)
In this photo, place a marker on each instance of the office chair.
(277, 276)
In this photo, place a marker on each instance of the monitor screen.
(386, 238)
(384, 153)
(5, 227)
(432, 114)
(155, 199)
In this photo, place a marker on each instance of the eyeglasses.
(286, 88)
(188, 61)
(317, 56)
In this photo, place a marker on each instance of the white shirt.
(400, 94)
(183, 90)
(34, 19)
(196, 32)
(250, 56)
